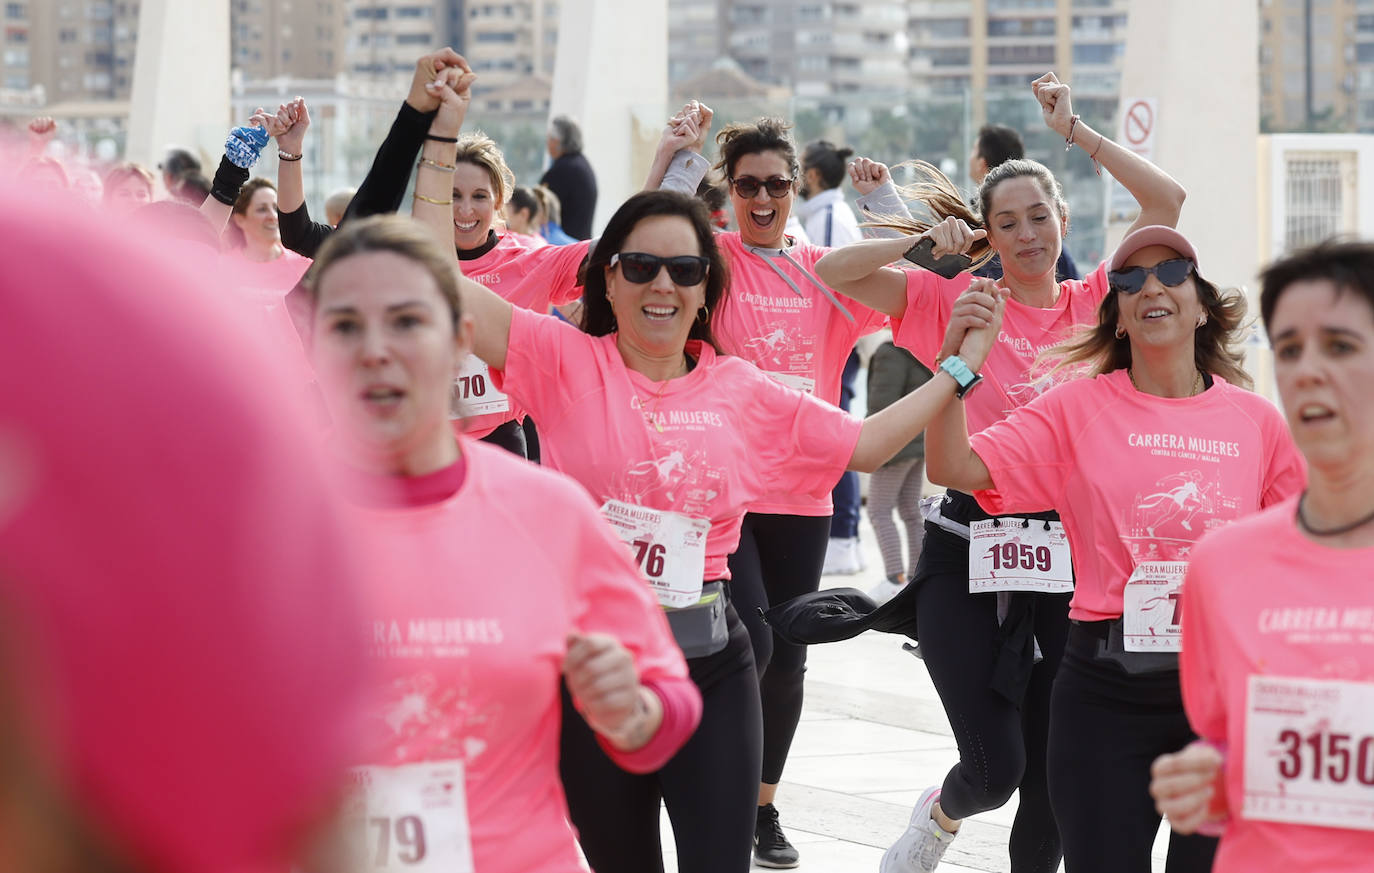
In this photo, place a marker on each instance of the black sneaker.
(771, 848)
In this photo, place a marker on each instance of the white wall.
(1199, 59)
(611, 76)
(181, 80)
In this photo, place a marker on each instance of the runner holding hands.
(993, 657)
(675, 441)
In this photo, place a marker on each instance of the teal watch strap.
(966, 378)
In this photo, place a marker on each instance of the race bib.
(1017, 554)
(474, 393)
(792, 380)
(668, 547)
(1309, 752)
(1150, 607)
(411, 818)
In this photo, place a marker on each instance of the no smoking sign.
(1138, 125)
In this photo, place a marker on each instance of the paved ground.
(873, 736)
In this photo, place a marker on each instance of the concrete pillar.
(1197, 58)
(181, 80)
(611, 76)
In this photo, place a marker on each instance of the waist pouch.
(700, 629)
(1113, 649)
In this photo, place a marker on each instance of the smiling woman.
(1189, 451)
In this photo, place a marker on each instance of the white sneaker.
(842, 557)
(919, 849)
(885, 591)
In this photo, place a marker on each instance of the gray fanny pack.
(700, 629)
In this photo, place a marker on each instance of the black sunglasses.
(747, 186)
(1170, 273)
(639, 268)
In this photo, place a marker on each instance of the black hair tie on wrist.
(448, 139)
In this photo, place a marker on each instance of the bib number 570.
(408, 835)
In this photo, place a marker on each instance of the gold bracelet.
(426, 162)
(448, 202)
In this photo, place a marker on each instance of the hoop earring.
(705, 320)
(1120, 332)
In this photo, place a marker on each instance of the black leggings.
(1106, 728)
(710, 787)
(509, 435)
(1001, 745)
(779, 557)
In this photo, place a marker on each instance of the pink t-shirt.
(706, 445)
(1261, 599)
(803, 341)
(264, 286)
(1136, 477)
(469, 643)
(532, 274)
(1010, 376)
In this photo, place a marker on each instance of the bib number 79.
(649, 557)
(409, 839)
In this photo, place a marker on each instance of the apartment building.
(988, 47)
(304, 39)
(75, 50)
(1316, 62)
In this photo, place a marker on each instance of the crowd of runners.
(431, 538)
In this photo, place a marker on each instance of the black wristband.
(229, 179)
(448, 139)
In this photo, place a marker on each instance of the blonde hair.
(942, 200)
(482, 151)
(387, 233)
(127, 170)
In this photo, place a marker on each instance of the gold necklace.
(1197, 382)
(651, 414)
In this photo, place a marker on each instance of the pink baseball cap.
(1152, 235)
(180, 617)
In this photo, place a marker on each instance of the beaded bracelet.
(287, 156)
(426, 162)
(448, 202)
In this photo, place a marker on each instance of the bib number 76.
(649, 557)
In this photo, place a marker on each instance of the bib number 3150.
(411, 818)
(1309, 752)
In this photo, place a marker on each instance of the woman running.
(676, 441)
(478, 613)
(1165, 403)
(784, 320)
(981, 648)
(1277, 665)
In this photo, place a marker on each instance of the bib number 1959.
(1017, 554)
